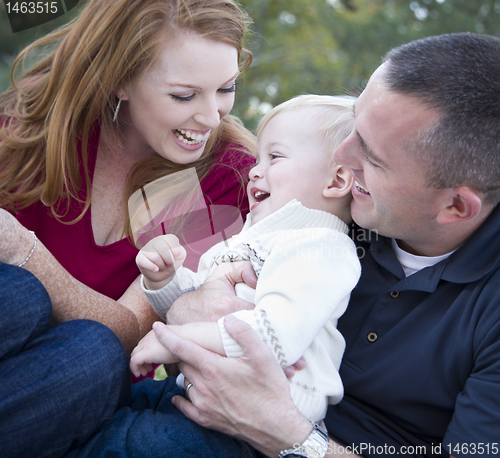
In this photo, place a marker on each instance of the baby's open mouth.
(259, 196)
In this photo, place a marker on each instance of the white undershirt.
(412, 263)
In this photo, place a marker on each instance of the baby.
(296, 239)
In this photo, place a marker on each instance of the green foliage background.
(313, 46)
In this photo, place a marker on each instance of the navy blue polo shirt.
(421, 370)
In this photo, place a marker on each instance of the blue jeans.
(59, 384)
(152, 427)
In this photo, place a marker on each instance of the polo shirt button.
(372, 337)
(394, 294)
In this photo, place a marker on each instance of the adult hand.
(247, 397)
(16, 242)
(216, 297)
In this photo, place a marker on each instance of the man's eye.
(368, 161)
(178, 98)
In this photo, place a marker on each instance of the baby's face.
(292, 163)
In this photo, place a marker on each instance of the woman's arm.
(130, 318)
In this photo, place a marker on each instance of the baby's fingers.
(171, 240)
(138, 365)
(144, 369)
(143, 262)
(135, 366)
(164, 252)
(179, 253)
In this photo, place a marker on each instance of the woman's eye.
(178, 98)
(223, 90)
(227, 90)
(274, 156)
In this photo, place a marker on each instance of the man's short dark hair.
(459, 75)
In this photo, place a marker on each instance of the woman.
(135, 90)
(132, 90)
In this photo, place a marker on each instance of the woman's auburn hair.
(56, 102)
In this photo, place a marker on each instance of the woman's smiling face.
(175, 107)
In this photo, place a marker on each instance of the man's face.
(389, 194)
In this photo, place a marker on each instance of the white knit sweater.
(307, 266)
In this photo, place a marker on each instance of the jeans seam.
(245, 448)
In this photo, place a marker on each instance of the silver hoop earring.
(117, 109)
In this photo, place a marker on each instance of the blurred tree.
(11, 44)
(314, 46)
(333, 46)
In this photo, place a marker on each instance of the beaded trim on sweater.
(293, 215)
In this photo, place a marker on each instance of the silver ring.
(188, 387)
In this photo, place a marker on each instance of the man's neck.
(447, 238)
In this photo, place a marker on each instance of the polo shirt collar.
(479, 255)
(473, 260)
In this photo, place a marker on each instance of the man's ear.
(461, 204)
(340, 182)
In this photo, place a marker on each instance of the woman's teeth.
(360, 188)
(190, 138)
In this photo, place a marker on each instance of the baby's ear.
(340, 183)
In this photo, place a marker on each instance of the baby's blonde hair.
(334, 116)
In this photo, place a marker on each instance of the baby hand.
(149, 351)
(159, 259)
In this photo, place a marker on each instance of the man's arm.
(216, 297)
(247, 398)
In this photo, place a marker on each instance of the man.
(421, 369)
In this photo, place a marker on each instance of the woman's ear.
(340, 182)
(121, 92)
